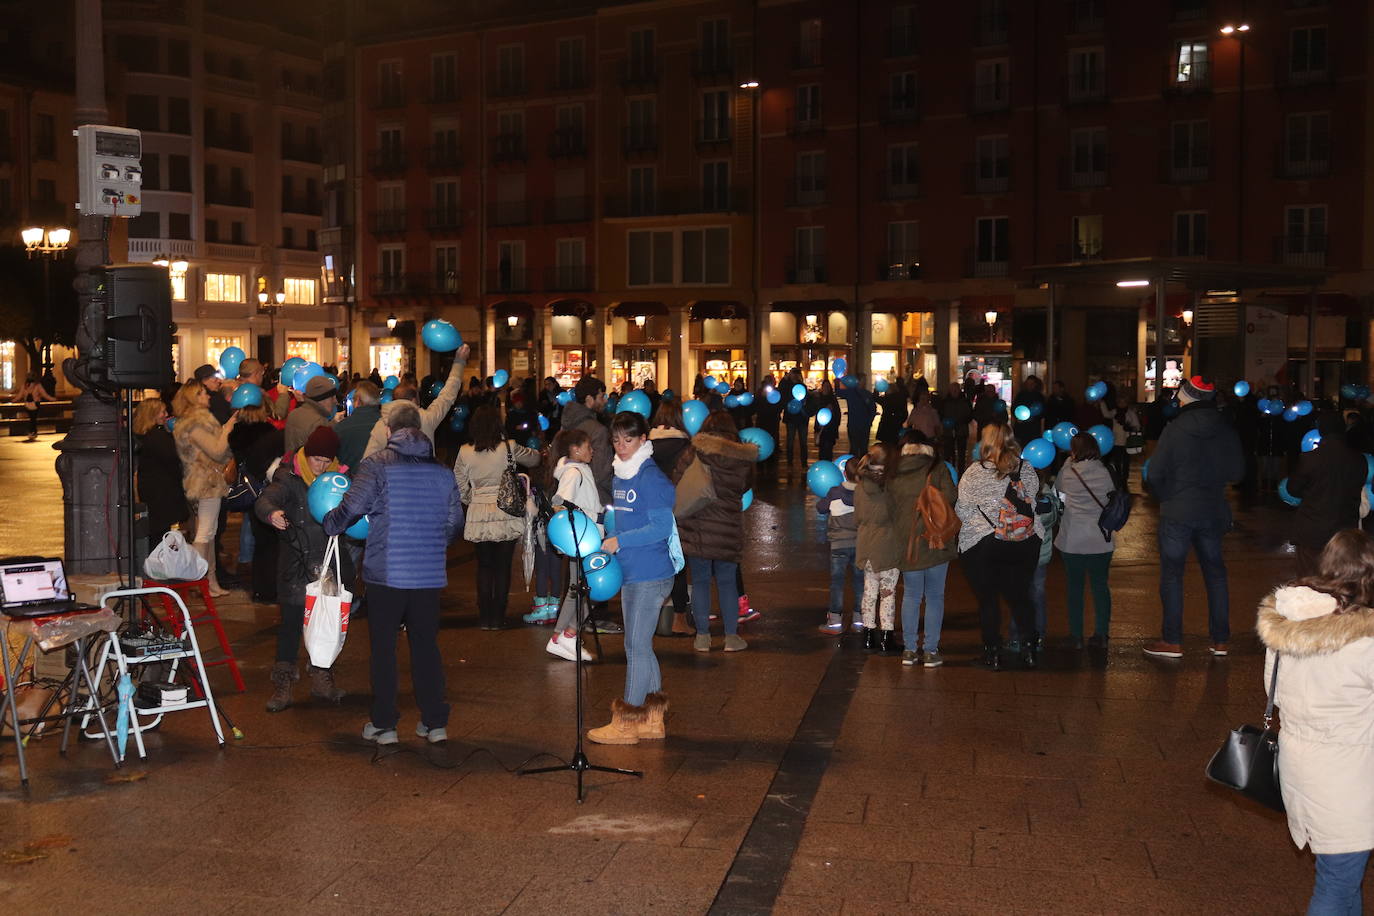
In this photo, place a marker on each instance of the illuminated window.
(215, 345)
(7, 365)
(307, 348)
(299, 291)
(179, 287)
(223, 288)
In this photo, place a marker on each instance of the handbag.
(231, 471)
(510, 495)
(327, 604)
(1248, 761)
(243, 492)
(173, 559)
(1116, 511)
(695, 491)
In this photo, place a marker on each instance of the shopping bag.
(327, 603)
(174, 559)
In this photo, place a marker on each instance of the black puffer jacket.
(1328, 481)
(256, 446)
(303, 542)
(668, 447)
(715, 533)
(1198, 455)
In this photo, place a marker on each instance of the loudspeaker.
(138, 325)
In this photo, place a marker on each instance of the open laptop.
(34, 587)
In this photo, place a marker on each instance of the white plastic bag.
(173, 558)
(326, 610)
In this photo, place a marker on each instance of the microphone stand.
(579, 763)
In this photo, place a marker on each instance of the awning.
(1194, 273)
(718, 309)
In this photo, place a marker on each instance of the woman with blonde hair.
(999, 542)
(159, 469)
(203, 446)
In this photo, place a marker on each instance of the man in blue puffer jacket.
(413, 511)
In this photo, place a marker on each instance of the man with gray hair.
(355, 430)
(430, 416)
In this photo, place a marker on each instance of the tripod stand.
(579, 763)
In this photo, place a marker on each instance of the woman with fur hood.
(1320, 632)
(712, 537)
(203, 447)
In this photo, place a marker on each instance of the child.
(572, 456)
(876, 550)
(548, 565)
(842, 528)
(1048, 507)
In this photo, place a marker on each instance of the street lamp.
(639, 321)
(391, 322)
(1188, 317)
(512, 321)
(46, 244)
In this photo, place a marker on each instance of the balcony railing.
(239, 143)
(510, 213)
(446, 283)
(386, 160)
(638, 72)
(1085, 87)
(301, 152)
(1080, 251)
(806, 192)
(568, 278)
(901, 108)
(229, 197)
(443, 94)
(1090, 172)
(710, 131)
(991, 180)
(443, 158)
(399, 284)
(1193, 77)
(992, 28)
(677, 202)
(389, 221)
(802, 121)
(443, 218)
(389, 97)
(988, 264)
(712, 63)
(1315, 165)
(567, 143)
(1187, 166)
(510, 280)
(309, 206)
(899, 265)
(572, 81)
(568, 210)
(1179, 247)
(640, 140)
(508, 148)
(904, 185)
(1301, 250)
(1289, 74)
(509, 85)
(991, 97)
(806, 270)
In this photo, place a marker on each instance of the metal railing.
(443, 158)
(508, 148)
(567, 143)
(901, 108)
(901, 186)
(640, 139)
(808, 270)
(710, 131)
(1301, 250)
(386, 159)
(566, 278)
(510, 280)
(806, 192)
(899, 265)
(443, 218)
(388, 221)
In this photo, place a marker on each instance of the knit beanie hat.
(323, 443)
(320, 388)
(1199, 389)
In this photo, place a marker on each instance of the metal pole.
(1311, 391)
(1159, 337)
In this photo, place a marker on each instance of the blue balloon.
(304, 373)
(798, 392)
(710, 382)
(746, 500)
(824, 416)
(572, 533)
(746, 399)
(1037, 409)
(458, 423)
(822, 476)
(722, 387)
(604, 576)
(543, 422)
(499, 378)
(463, 410)
(795, 407)
(1303, 408)
(953, 473)
(1241, 388)
(1048, 435)
(1369, 469)
(390, 382)
(881, 385)
(762, 439)
(840, 366)
(171, 423)
(774, 395)
(841, 461)
(288, 369)
(1311, 440)
(1102, 433)
(636, 402)
(1064, 432)
(694, 414)
(612, 405)
(326, 492)
(565, 396)
(359, 529)
(1096, 391)
(731, 402)
(1348, 391)
(667, 394)
(1286, 496)
(246, 395)
(385, 397)
(850, 381)
(1291, 414)
(533, 443)
(229, 360)
(435, 387)
(440, 336)
(1023, 412)
(1039, 453)
(608, 521)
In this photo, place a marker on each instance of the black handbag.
(510, 495)
(1249, 760)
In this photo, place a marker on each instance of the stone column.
(680, 371)
(863, 342)
(946, 343)
(603, 339)
(487, 354)
(760, 344)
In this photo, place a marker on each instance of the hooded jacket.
(644, 518)
(413, 511)
(916, 468)
(668, 447)
(301, 546)
(1197, 456)
(577, 488)
(430, 416)
(1325, 690)
(354, 431)
(876, 544)
(715, 533)
(1328, 481)
(577, 416)
(841, 521)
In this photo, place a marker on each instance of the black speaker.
(138, 325)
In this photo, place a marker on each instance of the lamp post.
(46, 244)
(271, 304)
(760, 325)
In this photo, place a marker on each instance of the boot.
(322, 685)
(682, 624)
(871, 639)
(1029, 655)
(626, 720)
(992, 656)
(887, 643)
(652, 729)
(283, 675)
(208, 552)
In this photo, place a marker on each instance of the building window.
(391, 263)
(1190, 234)
(1304, 236)
(224, 288)
(443, 78)
(642, 125)
(299, 291)
(288, 236)
(715, 116)
(1190, 150)
(142, 113)
(178, 286)
(212, 230)
(901, 96)
(810, 184)
(809, 33)
(808, 255)
(147, 225)
(152, 172)
(714, 50)
(706, 256)
(572, 62)
(992, 243)
(1307, 54)
(570, 264)
(715, 186)
(1088, 157)
(1087, 238)
(642, 65)
(903, 171)
(1087, 75)
(643, 190)
(307, 348)
(390, 83)
(510, 135)
(446, 268)
(178, 172)
(992, 165)
(808, 110)
(1192, 65)
(7, 365)
(903, 261)
(179, 116)
(510, 266)
(570, 132)
(650, 258)
(444, 195)
(237, 235)
(901, 34)
(1086, 15)
(992, 22)
(178, 57)
(178, 225)
(991, 85)
(510, 70)
(1307, 144)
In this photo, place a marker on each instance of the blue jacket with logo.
(644, 524)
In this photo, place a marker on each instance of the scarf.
(303, 467)
(626, 470)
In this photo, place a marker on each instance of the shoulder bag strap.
(1273, 686)
(1100, 503)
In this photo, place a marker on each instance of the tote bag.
(327, 603)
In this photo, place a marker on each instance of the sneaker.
(564, 646)
(735, 643)
(856, 627)
(604, 628)
(543, 615)
(933, 659)
(1219, 649)
(747, 613)
(834, 628)
(432, 735)
(910, 657)
(1162, 649)
(701, 642)
(380, 735)
(1097, 641)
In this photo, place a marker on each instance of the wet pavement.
(797, 777)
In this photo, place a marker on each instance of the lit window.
(7, 365)
(215, 345)
(179, 286)
(307, 348)
(223, 288)
(299, 291)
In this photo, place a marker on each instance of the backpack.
(935, 520)
(1116, 511)
(1015, 514)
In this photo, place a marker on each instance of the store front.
(514, 338)
(572, 341)
(808, 340)
(720, 341)
(985, 348)
(640, 332)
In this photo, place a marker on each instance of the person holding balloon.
(828, 433)
(646, 545)
(434, 414)
(1328, 480)
(842, 531)
(573, 485)
(315, 410)
(284, 505)
(203, 447)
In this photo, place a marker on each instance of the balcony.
(508, 85)
(638, 73)
(991, 97)
(1190, 10)
(443, 219)
(445, 283)
(803, 121)
(1301, 250)
(387, 160)
(712, 131)
(904, 185)
(568, 278)
(443, 158)
(305, 205)
(1185, 79)
(567, 143)
(901, 108)
(987, 264)
(389, 97)
(640, 140)
(508, 148)
(1180, 247)
(806, 54)
(443, 94)
(806, 270)
(677, 202)
(574, 80)
(301, 152)
(1085, 16)
(988, 177)
(1295, 74)
(243, 86)
(1186, 165)
(237, 142)
(510, 280)
(510, 213)
(712, 64)
(806, 192)
(992, 27)
(1314, 165)
(387, 222)
(231, 251)
(400, 284)
(899, 266)
(229, 197)
(1086, 87)
(901, 41)
(1080, 251)
(568, 210)
(1082, 173)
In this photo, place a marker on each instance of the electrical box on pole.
(108, 170)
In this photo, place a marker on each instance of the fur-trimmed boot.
(283, 675)
(626, 720)
(322, 685)
(652, 728)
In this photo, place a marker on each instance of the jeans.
(640, 602)
(548, 571)
(842, 562)
(879, 601)
(723, 571)
(825, 446)
(1037, 592)
(493, 580)
(796, 431)
(418, 609)
(1003, 570)
(1174, 540)
(859, 437)
(207, 520)
(1337, 889)
(1095, 567)
(929, 583)
(289, 633)
(246, 538)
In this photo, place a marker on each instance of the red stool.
(187, 591)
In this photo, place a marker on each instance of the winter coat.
(926, 419)
(255, 447)
(1059, 408)
(300, 551)
(876, 544)
(716, 532)
(1026, 430)
(644, 519)
(1197, 456)
(863, 407)
(1325, 691)
(669, 445)
(1049, 508)
(1328, 481)
(308, 416)
(915, 469)
(430, 416)
(159, 481)
(894, 415)
(577, 416)
(980, 499)
(576, 488)
(478, 475)
(958, 410)
(1078, 531)
(841, 522)
(203, 447)
(413, 511)
(354, 431)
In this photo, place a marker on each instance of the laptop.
(34, 587)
